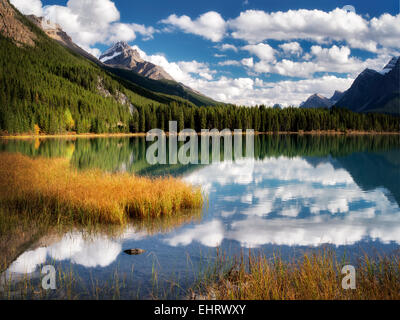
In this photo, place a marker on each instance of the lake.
(294, 195)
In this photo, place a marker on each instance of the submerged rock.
(134, 251)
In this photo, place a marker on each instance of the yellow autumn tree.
(36, 129)
(69, 121)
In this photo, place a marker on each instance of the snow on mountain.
(122, 55)
(389, 67)
(109, 57)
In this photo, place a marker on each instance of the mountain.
(167, 87)
(375, 91)
(55, 32)
(48, 85)
(13, 28)
(126, 63)
(124, 56)
(337, 96)
(142, 79)
(316, 101)
(319, 101)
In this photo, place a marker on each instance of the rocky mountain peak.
(53, 30)
(316, 101)
(121, 48)
(12, 27)
(122, 55)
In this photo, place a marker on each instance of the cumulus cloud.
(319, 59)
(229, 63)
(319, 26)
(255, 26)
(226, 47)
(29, 6)
(292, 48)
(181, 71)
(209, 25)
(263, 51)
(248, 91)
(88, 22)
(248, 62)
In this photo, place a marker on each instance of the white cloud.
(292, 48)
(29, 6)
(181, 71)
(195, 67)
(229, 63)
(248, 62)
(146, 32)
(319, 26)
(319, 59)
(263, 51)
(88, 22)
(385, 30)
(255, 26)
(333, 54)
(209, 25)
(246, 91)
(226, 47)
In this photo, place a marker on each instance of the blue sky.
(238, 51)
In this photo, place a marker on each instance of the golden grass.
(313, 277)
(53, 186)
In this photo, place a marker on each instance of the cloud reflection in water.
(286, 201)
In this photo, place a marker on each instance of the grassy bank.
(53, 186)
(312, 277)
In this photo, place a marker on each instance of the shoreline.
(143, 134)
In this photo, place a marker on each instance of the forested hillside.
(45, 87)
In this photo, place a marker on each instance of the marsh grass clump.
(315, 276)
(53, 186)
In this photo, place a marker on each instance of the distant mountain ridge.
(319, 101)
(124, 56)
(126, 62)
(371, 91)
(375, 91)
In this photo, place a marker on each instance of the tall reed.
(315, 276)
(54, 186)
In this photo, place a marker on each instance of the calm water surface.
(296, 194)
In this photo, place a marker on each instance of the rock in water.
(134, 251)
